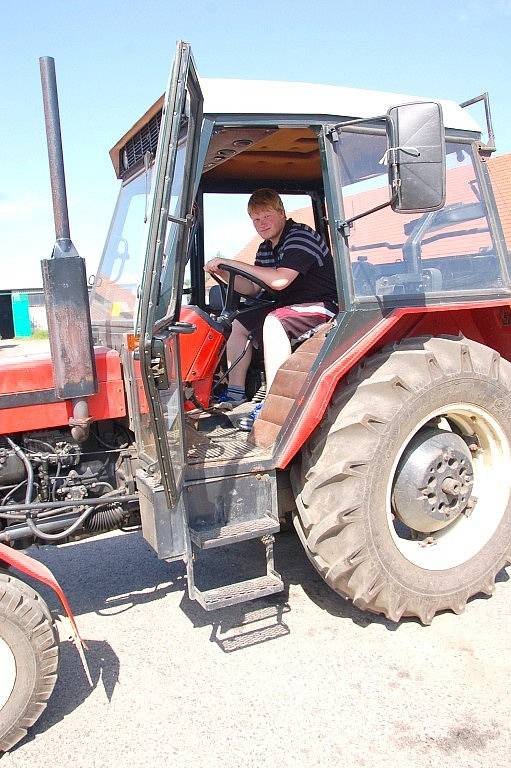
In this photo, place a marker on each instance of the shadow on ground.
(112, 574)
(72, 687)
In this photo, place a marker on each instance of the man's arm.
(275, 278)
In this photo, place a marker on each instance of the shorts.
(300, 321)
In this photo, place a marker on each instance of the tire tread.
(23, 607)
(331, 473)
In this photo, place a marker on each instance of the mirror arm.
(336, 129)
(188, 221)
(489, 147)
(345, 226)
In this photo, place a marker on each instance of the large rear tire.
(29, 655)
(404, 491)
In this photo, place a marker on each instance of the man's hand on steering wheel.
(211, 267)
(225, 271)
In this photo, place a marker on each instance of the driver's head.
(266, 209)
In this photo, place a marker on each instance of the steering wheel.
(230, 308)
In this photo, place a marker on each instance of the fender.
(486, 322)
(36, 570)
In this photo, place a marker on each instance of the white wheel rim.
(465, 537)
(7, 672)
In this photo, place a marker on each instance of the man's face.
(268, 223)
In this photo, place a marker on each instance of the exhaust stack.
(65, 281)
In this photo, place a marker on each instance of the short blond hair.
(265, 198)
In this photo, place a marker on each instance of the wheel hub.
(433, 481)
(8, 672)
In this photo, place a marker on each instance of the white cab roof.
(268, 97)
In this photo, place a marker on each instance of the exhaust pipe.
(65, 281)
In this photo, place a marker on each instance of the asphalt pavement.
(297, 679)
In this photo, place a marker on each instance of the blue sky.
(113, 57)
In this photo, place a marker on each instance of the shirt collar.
(287, 226)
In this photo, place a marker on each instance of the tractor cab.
(396, 188)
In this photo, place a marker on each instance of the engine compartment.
(74, 490)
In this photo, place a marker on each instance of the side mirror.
(416, 155)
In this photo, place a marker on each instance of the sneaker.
(224, 398)
(247, 422)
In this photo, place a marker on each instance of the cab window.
(401, 254)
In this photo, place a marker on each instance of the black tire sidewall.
(27, 667)
(7, 576)
(474, 389)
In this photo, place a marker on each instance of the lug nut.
(451, 486)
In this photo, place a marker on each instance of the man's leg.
(290, 324)
(276, 347)
(296, 323)
(236, 344)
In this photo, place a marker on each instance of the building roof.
(500, 173)
(381, 226)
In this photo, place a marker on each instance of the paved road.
(297, 679)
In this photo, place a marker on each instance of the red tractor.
(386, 436)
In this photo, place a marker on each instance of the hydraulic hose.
(227, 372)
(28, 466)
(63, 534)
(104, 519)
(72, 528)
(121, 498)
(112, 514)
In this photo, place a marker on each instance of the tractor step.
(242, 592)
(221, 536)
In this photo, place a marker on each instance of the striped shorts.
(300, 321)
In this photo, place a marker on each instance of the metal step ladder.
(208, 537)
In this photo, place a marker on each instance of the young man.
(293, 261)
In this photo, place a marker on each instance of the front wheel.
(404, 491)
(28, 659)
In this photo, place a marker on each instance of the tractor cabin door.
(169, 232)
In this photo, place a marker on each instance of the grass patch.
(36, 335)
